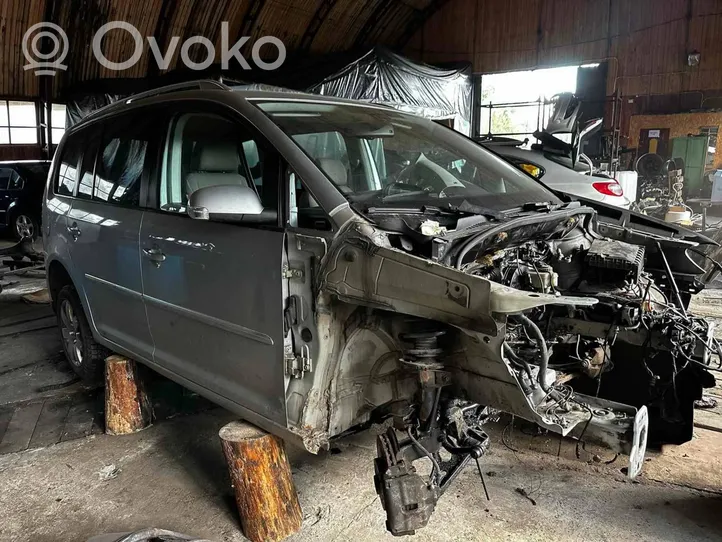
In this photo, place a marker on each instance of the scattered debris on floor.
(109, 472)
(41, 297)
(523, 492)
(706, 402)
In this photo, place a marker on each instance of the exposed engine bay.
(536, 314)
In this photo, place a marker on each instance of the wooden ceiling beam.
(249, 21)
(383, 7)
(319, 17)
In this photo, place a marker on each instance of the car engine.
(538, 314)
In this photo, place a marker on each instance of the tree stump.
(127, 408)
(261, 477)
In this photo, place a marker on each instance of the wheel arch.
(58, 277)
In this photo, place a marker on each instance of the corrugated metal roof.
(313, 26)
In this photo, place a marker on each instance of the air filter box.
(615, 258)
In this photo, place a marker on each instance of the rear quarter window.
(67, 176)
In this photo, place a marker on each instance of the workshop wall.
(645, 41)
(21, 152)
(679, 125)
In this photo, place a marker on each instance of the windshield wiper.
(541, 206)
(430, 210)
(403, 195)
(537, 207)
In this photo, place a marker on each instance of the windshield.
(385, 158)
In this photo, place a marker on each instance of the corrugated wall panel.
(503, 38)
(452, 31)
(706, 7)
(645, 41)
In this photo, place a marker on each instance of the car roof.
(289, 95)
(212, 86)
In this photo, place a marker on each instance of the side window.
(121, 160)
(68, 170)
(87, 166)
(328, 150)
(351, 163)
(304, 211)
(5, 176)
(250, 152)
(203, 150)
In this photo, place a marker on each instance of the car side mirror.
(225, 202)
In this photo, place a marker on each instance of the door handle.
(74, 231)
(155, 255)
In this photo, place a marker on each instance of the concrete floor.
(173, 474)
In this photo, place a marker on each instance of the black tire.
(84, 355)
(24, 224)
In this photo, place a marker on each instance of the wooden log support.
(127, 408)
(261, 477)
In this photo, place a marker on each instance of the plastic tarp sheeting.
(77, 110)
(380, 77)
(383, 77)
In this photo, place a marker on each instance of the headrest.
(335, 170)
(218, 156)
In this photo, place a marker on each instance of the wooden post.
(127, 408)
(261, 476)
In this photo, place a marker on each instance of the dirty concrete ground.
(173, 474)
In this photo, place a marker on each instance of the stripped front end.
(435, 327)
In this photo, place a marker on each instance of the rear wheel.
(85, 356)
(24, 225)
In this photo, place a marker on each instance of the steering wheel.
(409, 176)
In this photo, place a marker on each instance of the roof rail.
(204, 84)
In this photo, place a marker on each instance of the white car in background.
(559, 164)
(557, 172)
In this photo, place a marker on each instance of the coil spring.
(426, 345)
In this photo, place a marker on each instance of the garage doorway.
(516, 104)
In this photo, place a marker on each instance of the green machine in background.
(693, 150)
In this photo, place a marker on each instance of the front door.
(103, 224)
(213, 291)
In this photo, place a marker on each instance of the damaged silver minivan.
(318, 265)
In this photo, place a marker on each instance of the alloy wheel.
(70, 331)
(24, 226)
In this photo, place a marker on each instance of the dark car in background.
(21, 192)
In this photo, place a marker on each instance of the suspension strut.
(408, 498)
(423, 357)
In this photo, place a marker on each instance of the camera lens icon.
(50, 61)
